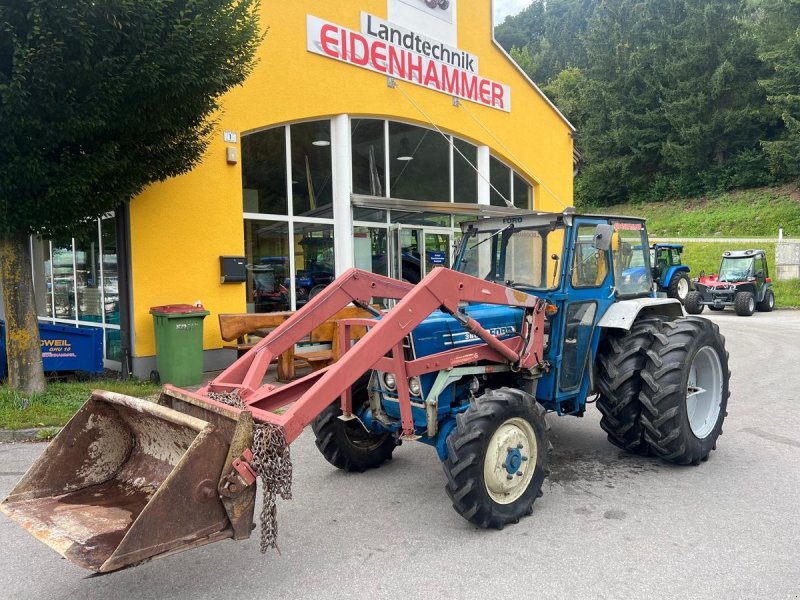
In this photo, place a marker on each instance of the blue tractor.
(669, 273)
(536, 317)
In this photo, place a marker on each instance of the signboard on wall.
(407, 55)
(441, 9)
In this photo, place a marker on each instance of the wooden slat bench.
(241, 327)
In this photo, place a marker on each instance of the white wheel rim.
(751, 306)
(510, 461)
(771, 300)
(704, 392)
(683, 288)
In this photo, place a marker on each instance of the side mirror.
(760, 274)
(602, 237)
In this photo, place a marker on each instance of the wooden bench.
(244, 326)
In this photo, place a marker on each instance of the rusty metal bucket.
(127, 480)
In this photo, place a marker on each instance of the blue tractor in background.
(669, 273)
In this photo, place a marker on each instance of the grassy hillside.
(746, 213)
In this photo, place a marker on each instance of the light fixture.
(404, 153)
(321, 136)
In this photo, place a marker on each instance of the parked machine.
(533, 319)
(669, 272)
(743, 282)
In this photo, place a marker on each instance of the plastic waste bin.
(179, 344)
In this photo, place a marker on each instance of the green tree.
(97, 101)
(778, 32)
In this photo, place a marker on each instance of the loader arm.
(300, 401)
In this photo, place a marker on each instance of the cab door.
(589, 292)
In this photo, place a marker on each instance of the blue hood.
(440, 332)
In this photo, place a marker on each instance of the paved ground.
(608, 526)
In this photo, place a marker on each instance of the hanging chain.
(273, 463)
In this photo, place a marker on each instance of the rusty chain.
(273, 463)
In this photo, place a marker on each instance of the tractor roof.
(678, 247)
(743, 253)
(539, 219)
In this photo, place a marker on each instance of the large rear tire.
(693, 303)
(621, 358)
(497, 458)
(347, 445)
(686, 389)
(679, 286)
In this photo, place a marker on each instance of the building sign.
(441, 9)
(406, 55)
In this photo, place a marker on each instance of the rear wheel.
(347, 445)
(745, 304)
(679, 286)
(693, 303)
(685, 392)
(621, 357)
(497, 458)
(768, 303)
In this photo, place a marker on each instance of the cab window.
(589, 265)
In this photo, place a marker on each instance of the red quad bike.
(743, 282)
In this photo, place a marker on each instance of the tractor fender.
(622, 314)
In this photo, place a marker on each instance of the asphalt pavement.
(608, 526)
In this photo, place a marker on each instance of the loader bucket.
(127, 480)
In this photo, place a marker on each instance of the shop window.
(312, 185)
(264, 172)
(465, 174)
(419, 163)
(500, 178)
(314, 260)
(267, 251)
(87, 273)
(369, 214)
(523, 193)
(113, 345)
(427, 219)
(110, 272)
(369, 157)
(63, 281)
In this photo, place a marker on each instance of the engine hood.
(440, 332)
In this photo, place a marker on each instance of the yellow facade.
(181, 227)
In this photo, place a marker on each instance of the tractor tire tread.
(463, 466)
(621, 357)
(663, 395)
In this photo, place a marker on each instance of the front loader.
(538, 315)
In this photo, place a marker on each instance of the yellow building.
(366, 134)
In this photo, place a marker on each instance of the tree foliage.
(100, 99)
(670, 97)
(97, 101)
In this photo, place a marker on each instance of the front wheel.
(685, 390)
(693, 303)
(745, 304)
(347, 445)
(497, 458)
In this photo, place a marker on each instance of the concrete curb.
(8, 436)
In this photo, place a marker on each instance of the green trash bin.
(179, 344)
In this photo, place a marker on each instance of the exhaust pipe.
(127, 480)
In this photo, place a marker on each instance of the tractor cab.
(582, 266)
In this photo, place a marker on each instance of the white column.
(484, 190)
(342, 188)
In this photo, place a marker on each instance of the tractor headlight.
(389, 381)
(414, 386)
